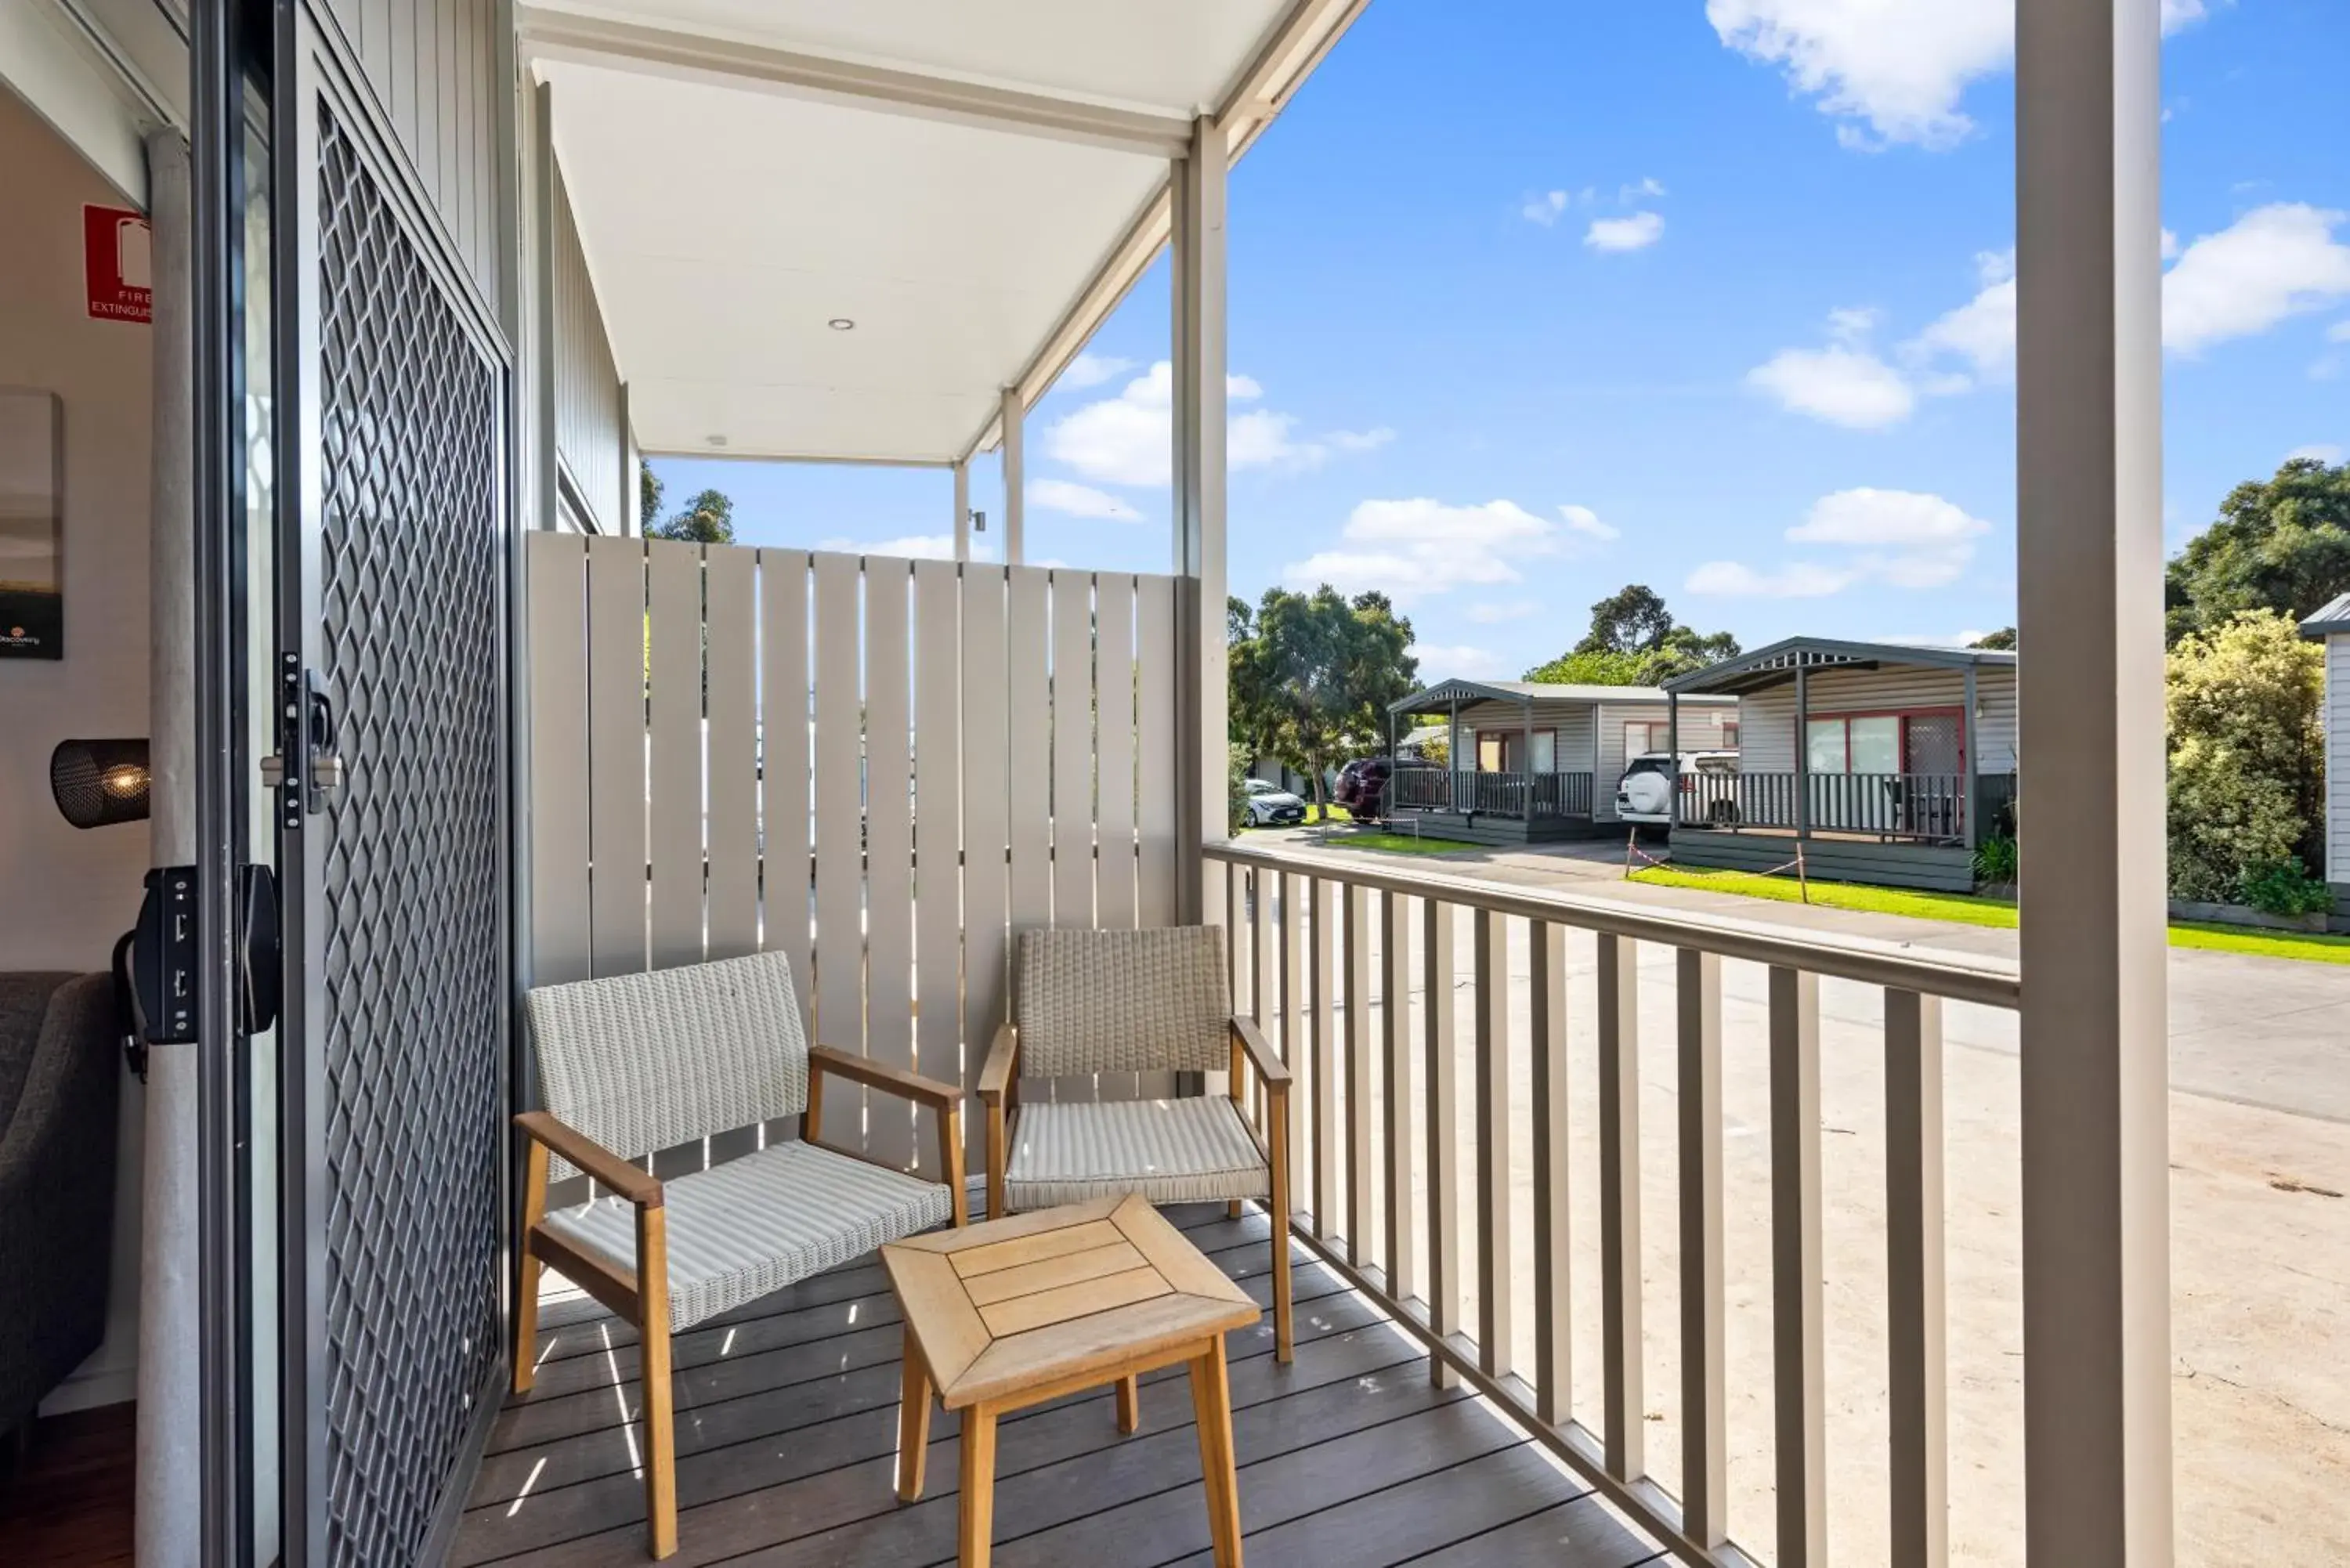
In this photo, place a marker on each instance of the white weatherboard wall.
(999, 741)
(67, 893)
(2337, 761)
(1766, 736)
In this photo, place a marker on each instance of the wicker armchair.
(645, 1061)
(1134, 1001)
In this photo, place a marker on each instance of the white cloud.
(1456, 663)
(2274, 262)
(1079, 501)
(921, 546)
(1128, 440)
(1649, 187)
(1091, 369)
(1414, 548)
(1802, 580)
(1636, 233)
(2338, 333)
(2170, 245)
(1546, 208)
(1887, 72)
(1842, 384)
(1902, 538)
(1981, 331)
(1583, 520)
(2324, 452)
(1494, 615)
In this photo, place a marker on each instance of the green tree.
(2247, 753)
(649, 490)
(1311, 675)
(1635, 642)
(708, 519)
(2281, 543)
(2000, 641)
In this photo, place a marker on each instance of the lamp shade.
(97, 783)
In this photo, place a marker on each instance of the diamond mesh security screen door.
(393, 665)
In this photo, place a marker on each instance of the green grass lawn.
(1965, 908)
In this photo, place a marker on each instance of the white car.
(1644, 793)
(1269, 806)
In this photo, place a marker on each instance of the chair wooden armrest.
(996, 1074)
(639, 1187)
(1271, 1071)
(880, 1075)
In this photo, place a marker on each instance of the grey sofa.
(58, 1080)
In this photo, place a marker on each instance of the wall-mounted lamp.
(978, 522)
(98, 783)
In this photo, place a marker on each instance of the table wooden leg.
(978, 1485)
(1212, 1404)
(1129, 1404)
(913, 1422)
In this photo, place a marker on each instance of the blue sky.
(1533, 300)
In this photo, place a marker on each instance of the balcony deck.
(786, 1432)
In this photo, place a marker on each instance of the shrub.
(2283, 888)
(2246, 753)
(1236, 766)
(1995, 858)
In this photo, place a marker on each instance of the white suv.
(1644, 793)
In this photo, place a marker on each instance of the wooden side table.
(1014, 1311)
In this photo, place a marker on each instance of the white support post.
(1197, 246)
(1015, 479)
(2096, 1264)
(962, 512)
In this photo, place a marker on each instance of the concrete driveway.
(2261, 1238)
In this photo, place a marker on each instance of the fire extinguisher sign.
(118, 256)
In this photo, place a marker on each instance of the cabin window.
(1643, 735)
(1504, 751)
(1730, 735)
(1923, 741)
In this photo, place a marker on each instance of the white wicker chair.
(645, 1061)
(1134, 1001)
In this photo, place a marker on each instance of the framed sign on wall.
(32, 525)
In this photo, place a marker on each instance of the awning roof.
(975, 187)
(2332, 619)
(1444, 693)
(1776, 664)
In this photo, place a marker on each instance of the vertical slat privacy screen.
(882, 767)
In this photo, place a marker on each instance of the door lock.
(306, 767)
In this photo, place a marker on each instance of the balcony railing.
(1492, 793)
(1927, 807)
(1421, 1217)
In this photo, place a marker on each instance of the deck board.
(786, 1432)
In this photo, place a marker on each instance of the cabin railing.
(1922, 807)
(1492, 793)
(1338, 963)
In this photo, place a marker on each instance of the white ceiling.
(726, 224)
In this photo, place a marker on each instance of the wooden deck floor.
(786, 1430)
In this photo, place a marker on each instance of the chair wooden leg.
(913, 1424)
(995, 1153)
(977, 1522)
(1211, 1404)
(661, 1438)
(1129, 1404)
(525, 1305)
(951, 1154)
(1233, 1209)
(1283, 1343)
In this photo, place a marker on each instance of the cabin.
(1886, 763)
(1534, 761)
(2331, 627)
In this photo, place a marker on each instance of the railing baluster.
(1918, 1356)
(1325, 1089)
(1264, 978)
(1799, 1373)
(1358, 1073)
(1623, 1434)
(1554, 1321)
(1394, 952)
(1705, 1470)
(1443, 1137)
(1292, 1011)
(1493, 960)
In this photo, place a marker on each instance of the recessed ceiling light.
(841, 324)
(716, 440)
